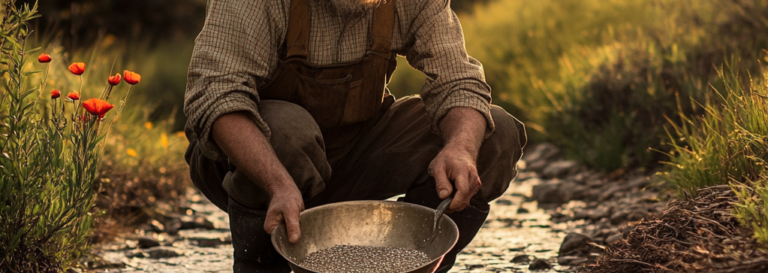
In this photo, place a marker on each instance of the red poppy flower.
(44, 58)
(97, 107)
(55, 94)
(73, 96)
(131, 77)
(77, 68)
(114, 80)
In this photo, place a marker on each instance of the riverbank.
(556, 216)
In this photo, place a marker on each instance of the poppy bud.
(44, 58)
(97, 107)
(55, 94)
(77, 68)
(131, 77)
(114, 80)
(73, 96)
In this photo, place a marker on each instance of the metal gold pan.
(368, 223)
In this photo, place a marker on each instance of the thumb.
(444, 187)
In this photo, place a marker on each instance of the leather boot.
(254, 252)
(469, 221)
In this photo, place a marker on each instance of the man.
(288, 109)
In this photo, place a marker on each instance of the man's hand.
(250, 151)
(285, 206)
(462, 130)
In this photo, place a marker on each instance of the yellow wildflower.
(148, 125)
(164, 141)
(131, 152)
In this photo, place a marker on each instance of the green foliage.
(49, 163)
(752, 208)
(728, 143)
(599, 77)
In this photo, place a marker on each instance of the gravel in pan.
(364, 259)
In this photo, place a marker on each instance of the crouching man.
(288, 109)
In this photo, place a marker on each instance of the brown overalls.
(341, 136)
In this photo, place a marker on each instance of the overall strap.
(297, 38)
(383, 24)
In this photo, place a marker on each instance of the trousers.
(378, 159)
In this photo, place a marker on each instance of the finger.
(292, 224)
(444, 187)
(273, 219)
(463, 194)
(476, 183)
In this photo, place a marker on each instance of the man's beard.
(352, 7)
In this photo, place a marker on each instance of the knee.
(499, 154)
(292, 127)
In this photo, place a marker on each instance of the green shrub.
(50, 158)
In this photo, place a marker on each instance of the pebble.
(147, 242)
(539, 264)
(559, 168)
(160, 252)
(365, 259)
(521, 259)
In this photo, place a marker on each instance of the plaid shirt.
(238, 50)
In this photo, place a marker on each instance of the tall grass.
(727, 144)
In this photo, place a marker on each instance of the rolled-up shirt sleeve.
(230, 59)
(454, 79)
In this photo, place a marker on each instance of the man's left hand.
(462, 129)
(453, 164)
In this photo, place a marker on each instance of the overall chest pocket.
(328, 100)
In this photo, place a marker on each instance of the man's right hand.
(250, 151)
(286, 204)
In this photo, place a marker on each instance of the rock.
(147, 242)
(574, 242)
(613, 238)
(599, 213)
(136, 254)
(474, 266)
(173, 226)
(619, 217)
(521, 259)
(209, 242)
(160, 252)
(541, 152)
(201, 222)
(559, 168)
(551, 192)
(157, 226)
(539, 264)
(637, 182)
(187, 222)
(537, 166)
